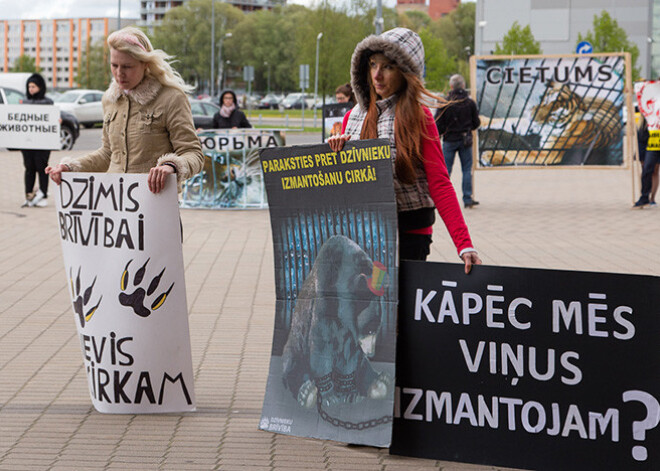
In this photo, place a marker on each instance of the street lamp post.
(268, 79)
(212, 45)
(378, 21)
(316, 74)
(220, 63)
(224, 74)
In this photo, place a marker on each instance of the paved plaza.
(541, 218)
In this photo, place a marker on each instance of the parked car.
(203, 112)
(69, 127)
(84, 104)
(270, 102)
(294, 101)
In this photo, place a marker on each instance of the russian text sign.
(30, 127)
(231, 177)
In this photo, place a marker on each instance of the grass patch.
(290, 128)
(254, 114)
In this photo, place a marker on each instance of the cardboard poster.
(122, 254)
(526, 368)
(231, 177)
(333, 115)
(30, 127)
(648, 100)
(555, 110)
(333, 217)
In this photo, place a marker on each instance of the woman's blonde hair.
(135, 43)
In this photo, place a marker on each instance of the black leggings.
(414, 246)
(35, 162)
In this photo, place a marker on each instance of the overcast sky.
(50, 9)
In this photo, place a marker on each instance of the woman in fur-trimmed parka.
(147, 124)
(386, 76)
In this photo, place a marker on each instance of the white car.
(84, 105)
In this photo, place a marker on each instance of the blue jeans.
(449, 149)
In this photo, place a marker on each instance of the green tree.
(518, 41)
(608, 36)
(185, 33)
(457, 33)
(457, 30)
(94, 66)
(414, 20)
(25, 63)
(439, 66)
(342, 29)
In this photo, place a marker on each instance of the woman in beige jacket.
(147, 124)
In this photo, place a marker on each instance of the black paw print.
(80, 301)
(136, 298)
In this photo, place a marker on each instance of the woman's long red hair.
(409, 124)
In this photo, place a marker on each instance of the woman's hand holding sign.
(56, 172)
(337, 142)
(158, 177)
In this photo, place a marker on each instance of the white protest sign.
(30, 127)
(122, 255)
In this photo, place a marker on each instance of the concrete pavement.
(557, 218)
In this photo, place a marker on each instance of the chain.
(350, 425)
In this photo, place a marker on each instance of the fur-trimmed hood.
(144, 93)
(401, 45)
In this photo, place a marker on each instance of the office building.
(557, 23)
(57, 46)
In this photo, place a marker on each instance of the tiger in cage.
(563, 122)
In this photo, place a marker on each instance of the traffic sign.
(584, 47)
(304, 76)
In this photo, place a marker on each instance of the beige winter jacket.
(142, 128)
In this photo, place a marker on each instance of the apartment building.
(56, 45)
(153, 11)
(434, 8)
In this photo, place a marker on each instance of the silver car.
(84, 105)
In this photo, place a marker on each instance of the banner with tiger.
(123, 258)
(551, 110)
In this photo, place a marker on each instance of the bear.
(334, 326)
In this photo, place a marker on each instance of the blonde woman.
(147, 124)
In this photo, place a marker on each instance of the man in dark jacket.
(455, 124)
(229, 116)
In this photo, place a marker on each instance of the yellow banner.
(654, 140)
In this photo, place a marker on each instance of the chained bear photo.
(334, 328)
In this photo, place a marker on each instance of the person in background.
(36, 161)
(642, 142)
(455, 124)
(344, 94)
(386, 75)
(229, 116)
(147, 124)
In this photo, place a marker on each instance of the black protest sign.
(534, 369)
(333, 217)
